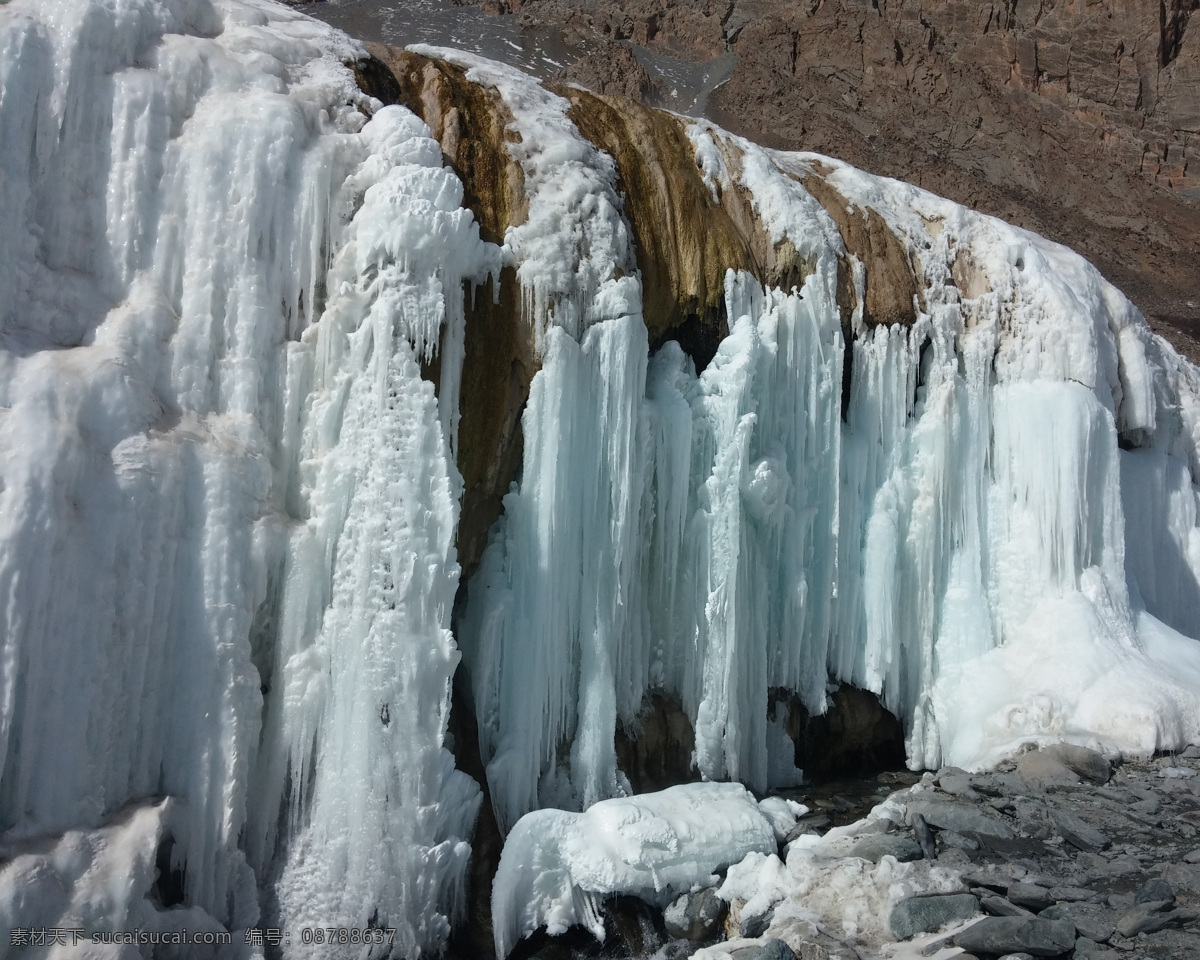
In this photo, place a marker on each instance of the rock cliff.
(1080, 121)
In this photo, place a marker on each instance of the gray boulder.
(1032, 935)
(1040, 766)
(958, 785)
(771, 950)
(1154, 889)
(999, 907)
(1030, 895)
(695, 916)
(926, 914)
(755, 926)
(959, 817)
(875, 848)
(1077, 833)
(1094, 928)
(1153, 916)
(1183, 876)
(1087, 763)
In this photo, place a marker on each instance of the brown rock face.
(656, 752)
(470, 123)
(1079, 120)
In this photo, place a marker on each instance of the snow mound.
(557, 867)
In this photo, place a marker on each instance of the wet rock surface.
(926, 914)
(695, 916)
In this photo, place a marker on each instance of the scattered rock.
(1086, 763)
(959, 817)
(814, 823)
(1183, 876)
(1039, 765)
(1077, 833)
(958, 785)
(924, 837)
(1030, 896)
(957, 841)
(754, 926)
(1032, 935)
(1154, 890)
(771, 950)
(1094, 929)
(1152, 916)
(1070, 893)
(695, 916)
(1000, 907)
(926, 914)
(875, 848)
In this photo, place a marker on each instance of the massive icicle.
(223, 475)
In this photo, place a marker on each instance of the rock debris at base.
(1058, 853)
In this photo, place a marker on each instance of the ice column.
(358, 710)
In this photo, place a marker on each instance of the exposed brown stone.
(472, 125)
(685, 242)
(655, 752)
(891, 294)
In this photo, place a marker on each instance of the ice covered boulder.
(557, 867)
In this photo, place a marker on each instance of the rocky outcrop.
(1078, 121)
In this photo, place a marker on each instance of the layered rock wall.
(1080, 121)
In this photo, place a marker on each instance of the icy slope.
(933, 456)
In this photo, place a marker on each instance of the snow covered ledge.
(557, 867)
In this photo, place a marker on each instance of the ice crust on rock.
(557, 867)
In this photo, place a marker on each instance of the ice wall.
(227, 497)
(954, 540)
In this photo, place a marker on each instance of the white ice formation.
(228, 498)
(956, 542)
(558, 867)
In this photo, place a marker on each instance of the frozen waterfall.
(229, 490)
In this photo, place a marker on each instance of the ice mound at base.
(557, 867)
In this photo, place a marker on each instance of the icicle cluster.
(955, 542)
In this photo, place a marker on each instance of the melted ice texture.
(228, 499)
